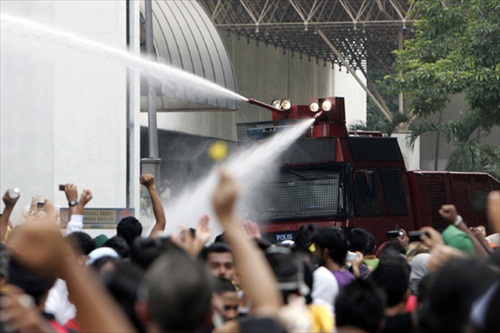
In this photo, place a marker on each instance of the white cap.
(101, 253)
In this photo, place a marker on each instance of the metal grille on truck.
(302, 193)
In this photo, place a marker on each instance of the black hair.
(393, 276)
(451, 291)
(82, 241)
(360, 304)
(491, 318)
(129, 228)
(219, 238)
(178, 293)
(98, 264)
(288, 270)
(393, 245)
(222, 285)
(333, 239)
(358, 240)
(145, 251)
(216, 247)
(123, 284)
(119, 245)
(370, 246)
(32, 282)
(303, 238)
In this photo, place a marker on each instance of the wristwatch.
(458, 221)
(72, 203)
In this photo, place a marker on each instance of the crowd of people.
(326, 280)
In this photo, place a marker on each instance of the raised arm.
(4, 219)
(76, 220)
(42, 247)
(71, 191)
(257, 277)
(148, 180)
(449, 212)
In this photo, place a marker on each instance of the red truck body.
(331, 177)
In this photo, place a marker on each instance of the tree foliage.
(455, 51)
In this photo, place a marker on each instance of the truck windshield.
(302, 193)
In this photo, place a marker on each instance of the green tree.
(375, 121)
(455, 50)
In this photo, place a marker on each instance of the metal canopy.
(364, 32)
(185, 37)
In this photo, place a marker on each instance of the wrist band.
(458, 220)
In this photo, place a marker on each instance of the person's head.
(32, 282)
(228, 296)
(219, 260)
(144, 251)
(419, 271)
(392, 275)
(106, 265)
(129, 228)
(103, 260)
(370, 247)
(82, 242)
(358, 240)
(415, 248)
(303, 238)
(119, 245)
(122, 283)
(288, 270)
(450, 293)
(330, 243)
(361, 305)
(176, 294)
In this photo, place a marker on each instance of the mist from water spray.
(252, 167)
(176, 81)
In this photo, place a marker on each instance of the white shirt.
(57, 302)
(325, 288)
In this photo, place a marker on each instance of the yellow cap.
(312, 248)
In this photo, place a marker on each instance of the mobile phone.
(62, 187)
(40, 204)
(350, 256)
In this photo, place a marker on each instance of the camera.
(394, 234)
(40, 204)
(62, 187)
(414, 236)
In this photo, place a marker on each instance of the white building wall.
(345, 85)
(63, 112)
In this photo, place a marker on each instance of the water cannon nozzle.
(265, 106)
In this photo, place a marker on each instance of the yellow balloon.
(218, 150)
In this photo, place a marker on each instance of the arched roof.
(185, 37)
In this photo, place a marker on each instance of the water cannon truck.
(331, 177)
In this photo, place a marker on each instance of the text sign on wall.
(98, 218)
